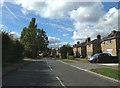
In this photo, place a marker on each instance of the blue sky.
(63, 22)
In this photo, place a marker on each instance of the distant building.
(75, 50)
(82, 49)
(111, 44)
(93, 46)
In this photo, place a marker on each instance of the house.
(111, 43)
(75, 50)
(93, 46)
(82, 49)
(58, 54)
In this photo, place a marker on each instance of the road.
(49, 72)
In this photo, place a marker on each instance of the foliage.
(33, 39)
(70, 57)
(98, 51)
(83, 60)
(67, 61)
(12, 49)
(107, 72)
(66, 50)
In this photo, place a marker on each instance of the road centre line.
(60, 82)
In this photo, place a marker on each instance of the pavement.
(48, 72)
(85, 65)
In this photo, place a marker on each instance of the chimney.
(75, 44)
(88, 39)
(78, 42)
(113, 32)
(98, 37)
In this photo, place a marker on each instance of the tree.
(66, 50)
(33, 39)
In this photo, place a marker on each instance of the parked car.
(94, 58)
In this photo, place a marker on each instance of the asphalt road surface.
(49, 72)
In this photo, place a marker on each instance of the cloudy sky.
(64, 22)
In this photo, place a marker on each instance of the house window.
(103, 42)
(108, 41)
(109, 51)
(89, 45)
(89, 53)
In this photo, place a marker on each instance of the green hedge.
(70, 57)
(12, 49)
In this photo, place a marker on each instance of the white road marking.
(50, 68)
(49, 65)
(60, 81)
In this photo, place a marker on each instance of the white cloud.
(102, 23)
(65, 34)
(54, 42)
(3, 27)
(52, 9)
(15, 35)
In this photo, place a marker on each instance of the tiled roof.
(112, 36)
(94, 41)
(82, 44)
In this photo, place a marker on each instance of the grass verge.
(83, 60)
(67, 61)
(107, 72)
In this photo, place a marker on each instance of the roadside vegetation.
(31, 43)
(83, 60)
(12, 49)
(66, 61)
(107, 72)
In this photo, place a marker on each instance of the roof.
(112, 36)
(82, 44)
(95, 41)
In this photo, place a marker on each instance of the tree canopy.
(33, 39)
(66, 50)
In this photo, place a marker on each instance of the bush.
(70, 57)
(98, 51)
(12, 50)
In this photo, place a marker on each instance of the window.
(103, 42)
(89, 45)
(108, 41)
(109, 51)
(89, 53)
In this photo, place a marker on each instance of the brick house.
(75, 50)
(93, 46)
(111, 44)
(58, 54)
(82, 49)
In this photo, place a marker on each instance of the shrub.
(12, 50)
(70, 57)
(98, 51)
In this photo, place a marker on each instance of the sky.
(64, 22)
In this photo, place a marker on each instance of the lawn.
(107, 72)
(83, 60)
(67, 61)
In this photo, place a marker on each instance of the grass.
(107, 72)
(83, 60)
(67, 61)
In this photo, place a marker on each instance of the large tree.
(33, 39)
(66, 50)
